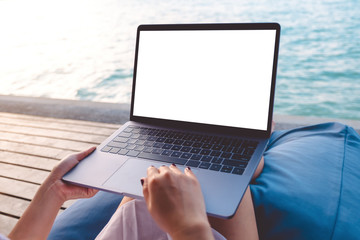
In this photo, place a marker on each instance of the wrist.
(196, 231)
(51, 191)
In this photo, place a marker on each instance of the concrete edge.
(117, 113)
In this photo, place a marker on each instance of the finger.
(189, 173)
(164, 169)
(152, 171)
(80, 156)
(69, 162)
(145, 189)
(175, 169)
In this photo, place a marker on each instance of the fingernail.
(142, 182)
(173, 164)
(188, 168)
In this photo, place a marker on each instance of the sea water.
(85, 49)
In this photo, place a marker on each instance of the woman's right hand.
(176, 203)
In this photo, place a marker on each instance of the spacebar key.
(162, 158)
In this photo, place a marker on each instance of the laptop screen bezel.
(201, 126)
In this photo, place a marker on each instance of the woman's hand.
(38, 218)
(64, 190)
(176, 203)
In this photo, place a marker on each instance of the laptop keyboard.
(228, 155)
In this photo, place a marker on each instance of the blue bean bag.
(310, 184)
(309, 189)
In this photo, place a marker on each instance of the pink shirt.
(133, 221)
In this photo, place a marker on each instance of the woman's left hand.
(38, 218)
(64, 190)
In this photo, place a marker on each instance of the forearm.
(37, 220)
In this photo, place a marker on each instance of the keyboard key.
(217, 160)
(157, 151)
(186, 155)
(234, 163)
(106, 149)
(197, 145)
(206, 159)
(188, 143)
(133, 153)
(114, 150)
(140, 142)
(215, 167)
(240, 157)
(204, 165)
(149, 143)
(148, 149)
(178, 142)
(131, 146)
(167, 152)
(196, 157)
(121, 139)
(132, 141)
(185, 149)
(161, 139)
(176, 148)
(176, 154)
(158, 145)
(167, 146)
(195, 150)
(226, 169)
(162, 158)
(117, 144)
(127, 130)
(215, 153)
(192, 163)
(226, 155)
(143, 137)
(238, 171)
(139, 148)
(152, 138)
(135, 136)
(123, 152)
(205, 152)
(207, 146)
(169, 140)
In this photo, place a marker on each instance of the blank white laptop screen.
(219, 77)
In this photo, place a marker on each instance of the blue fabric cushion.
(309, 187)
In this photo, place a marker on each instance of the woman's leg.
(125, 200)
(243, 224)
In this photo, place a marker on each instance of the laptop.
(202, 97)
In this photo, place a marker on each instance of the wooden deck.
(29, 148)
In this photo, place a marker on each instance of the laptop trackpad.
(126, 179)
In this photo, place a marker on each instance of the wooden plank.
(13, 209)
(34, 150)
(23, 190)
(13, 206)
(23, 173)
(7, 224)
(70, 121)
(57, 134)
(58, 126)
(45, 141)
(27, 160)
(17, 188)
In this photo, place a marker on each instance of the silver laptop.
(202, 97)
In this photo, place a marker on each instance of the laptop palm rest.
(127, 178)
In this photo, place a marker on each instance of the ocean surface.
(85, 49)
